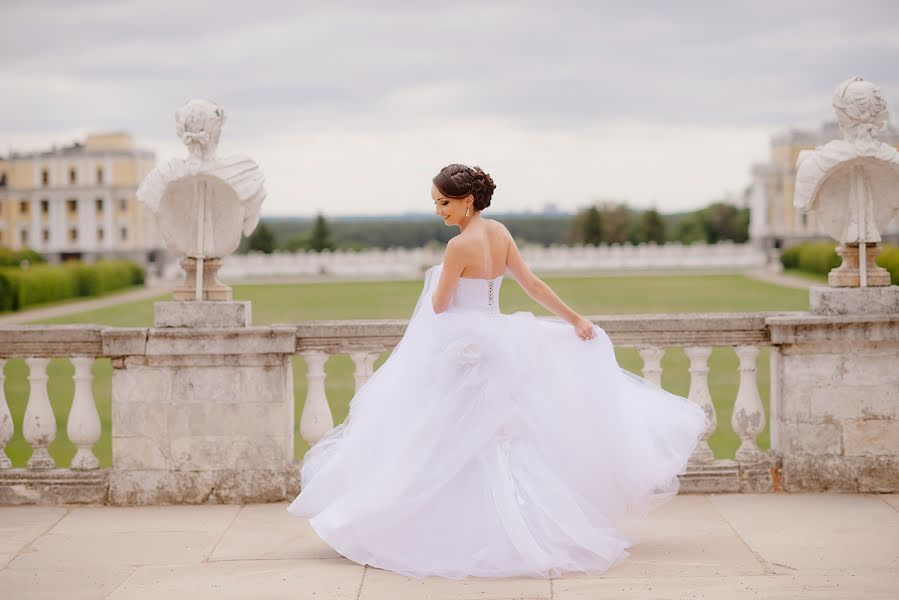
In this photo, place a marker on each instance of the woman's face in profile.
(451, 210)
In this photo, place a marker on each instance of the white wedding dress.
(493, 444)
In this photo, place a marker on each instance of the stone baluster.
(652, 363)
(748, 418)
(699, 393)
(6, 424)
(316, 419)
(39, 425)
(84, 420)
(365, 366)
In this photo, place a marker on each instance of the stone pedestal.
(825, 300)
(202, 313)
(213, 289)
(835, 422)
(201, 415)
(848, 275)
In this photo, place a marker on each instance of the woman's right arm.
(537, 289)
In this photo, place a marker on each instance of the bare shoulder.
(458, 242)
(460, 245)
(498, 227)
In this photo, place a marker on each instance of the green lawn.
(816, 277)
(288, 303)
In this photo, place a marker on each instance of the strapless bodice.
(476, 294)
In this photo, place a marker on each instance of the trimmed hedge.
(821, 257)
(13, 258)
(789, 258)
(20, 288)
(889, 260)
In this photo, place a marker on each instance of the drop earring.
(467, 208)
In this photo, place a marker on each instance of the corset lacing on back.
(477, 294)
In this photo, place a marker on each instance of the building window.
(804, 219)
(124, 232)
(100, 175)
(73, 234)
(2, 179)
(73, 176)
(45, 207)
(99, 204)
(123, 203)
(72, 205)
(23, 207)
(23, 236)
(46, 235)
(45, 177)
(100, 234)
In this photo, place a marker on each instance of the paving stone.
(286, 536)
(760, 587)
(73, 583)
(148, 519)
(891, 499)
(124, 548)
(242, 580)
(686, 537)
(385, 585)
(21, 525)
(817, 533)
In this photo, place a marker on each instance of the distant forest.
(604, 223)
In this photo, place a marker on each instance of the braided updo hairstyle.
(458, 181)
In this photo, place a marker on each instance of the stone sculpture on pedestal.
(202, 403)
(851, 185)
(203, 204)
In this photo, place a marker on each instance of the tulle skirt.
(496, 445)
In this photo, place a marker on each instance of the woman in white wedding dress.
(493, 444)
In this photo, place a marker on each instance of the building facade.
(79, 201)
(774, 223)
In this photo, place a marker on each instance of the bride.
(493, 444)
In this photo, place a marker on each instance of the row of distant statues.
(205, 203)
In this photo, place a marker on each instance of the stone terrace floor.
(828, 546)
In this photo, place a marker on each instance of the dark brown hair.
(458, 181)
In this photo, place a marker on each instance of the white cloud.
(342, 171)
(352, 107)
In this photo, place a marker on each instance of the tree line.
(616, 223)
(603, 223)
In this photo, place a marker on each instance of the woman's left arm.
(454, 260)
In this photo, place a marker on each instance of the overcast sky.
(352, 107)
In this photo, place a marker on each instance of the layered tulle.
(495, 445)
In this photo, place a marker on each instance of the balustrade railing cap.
(682, 321)
(50, 340)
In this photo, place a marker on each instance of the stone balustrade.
(170, 405)
(651, 335)
(43, 481)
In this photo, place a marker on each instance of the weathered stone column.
(201, 415)
(837, 425)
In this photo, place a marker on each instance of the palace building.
(774, 222)
(78, 201)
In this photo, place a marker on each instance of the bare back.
(485, 250)
(486, 246)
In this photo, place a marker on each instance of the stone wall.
(202, 415)
(837, 422)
